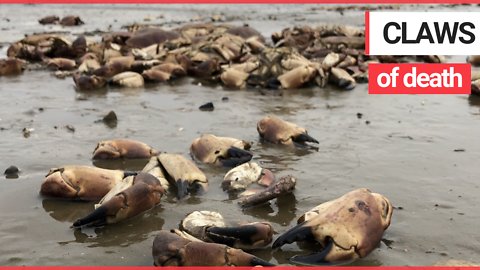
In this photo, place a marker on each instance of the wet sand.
(406, 151)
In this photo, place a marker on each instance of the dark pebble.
(26, 132)
(110, 119)
(70, 128)
(359, 115)
(11, 172)
(225, 99)
(459, 150)
(207, 107)
(367, 122)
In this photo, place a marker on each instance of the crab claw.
(169, 249)
(342, 79)
(86, 83)
(183, 173)
(248, 236)
(82, 182)
(297, 77)
(11, 66)
(122, 148)
(210, 226)
(154, 167)
(131, 197)
(284, 186)
(347, 228)
(223, 151)
(240, 177)
(276, 130)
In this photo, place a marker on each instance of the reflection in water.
(121, 164)
(85, 95)
(284, 215)
(308, 248)
(124, 233)
(126, 91)
(65, 210)
(276, 152)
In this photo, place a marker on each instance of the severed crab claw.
(154, 168)
(132, 196)
(183, 173)
(278, 131)
(11, 66)
(348, 227)
(210, 226)
(88, 83)
(282, 187)
(122, 148)
(240, 177)
(169, 249)
(80, 182)
(224, 151)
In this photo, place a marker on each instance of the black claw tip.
(258, 261)
(315, 258)
(182, 188)
(297, 233)
(302, 138)
(230, 235)
(129, 173)
(96, 218)
(236, 156)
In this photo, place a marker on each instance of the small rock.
(11, 172)
(359, 115)
(110, 119)
(27, 131)
(367, 122)
(225, 99)
(71, 21)
(70, 128)
(52, 19)
(207, 107)
(459, 150)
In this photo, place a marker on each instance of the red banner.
(419, 78)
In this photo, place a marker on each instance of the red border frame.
(238, 2)
(367, 32)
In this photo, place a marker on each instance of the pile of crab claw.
(235, 56)
(344, 229)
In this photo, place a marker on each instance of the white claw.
(242, 176)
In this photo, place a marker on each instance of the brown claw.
(278, 131)
(170, 249)
(347, 228)
(135, 195)
(224, 151)
(122, 148)
(183, 173)
(282, 187)
(11, 66)
(248, 236)
(82, 182)
(86, 83)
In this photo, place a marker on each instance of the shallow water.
(406, 152)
